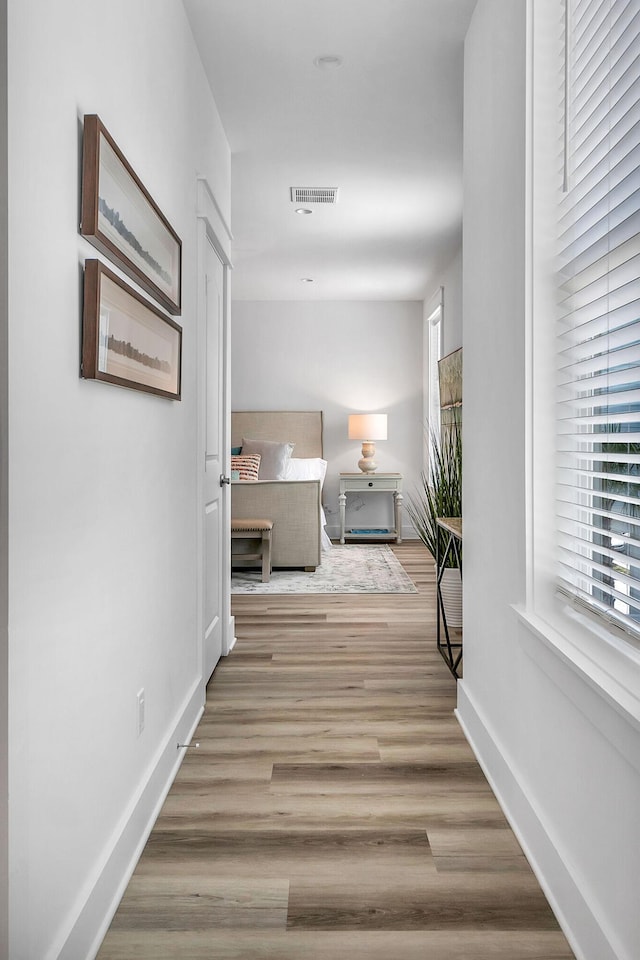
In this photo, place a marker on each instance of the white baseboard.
(90, 920)
(230, 637)
(577, 920)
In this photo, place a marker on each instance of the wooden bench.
(252, 529)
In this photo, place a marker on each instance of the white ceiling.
(385, 127)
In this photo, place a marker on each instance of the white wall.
(4, 505)
(102, 479)
(561, 756)
(341, 358)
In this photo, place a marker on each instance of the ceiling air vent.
(314, 194)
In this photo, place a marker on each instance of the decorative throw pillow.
(274, 456)
(246, 466)
(236, 451)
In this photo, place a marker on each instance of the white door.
(214, 462)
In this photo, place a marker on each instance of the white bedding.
(311, 468)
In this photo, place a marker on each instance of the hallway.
(334, 808)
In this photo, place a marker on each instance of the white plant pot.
(451, 591)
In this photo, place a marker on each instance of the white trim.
(432, 342)
(594, 279)
(100, 896)
(210, 223)
(434, 303)
(206, 198)
(207, 238)
(4, 504)
(231, 636)
(577, 918)
(529, 378)
(584, 655)
(228, 625)
(600, 656)
(199, 448)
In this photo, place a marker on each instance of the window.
(433, 351)
(598, 494)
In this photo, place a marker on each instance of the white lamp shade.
(367, 426)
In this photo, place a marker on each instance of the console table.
(451, 651)
(364, 483)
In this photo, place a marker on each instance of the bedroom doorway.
(213, 462)
(214, 603)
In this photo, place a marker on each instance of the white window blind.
(599, 336)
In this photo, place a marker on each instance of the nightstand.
(365, 483)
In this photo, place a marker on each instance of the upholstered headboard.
(302, 427)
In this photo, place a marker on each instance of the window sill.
(595, 657)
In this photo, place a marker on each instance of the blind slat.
(619, 235)
(611, 319)
(604, 343)
(597, 281)
(581, 499)
(578, 404)
(587, 457)
(608, 104)
(602, 587)
(615, 358)
(595, 206)
(603, 62)
(615, 570)
(620, 249)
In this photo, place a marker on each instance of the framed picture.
(121, 219)
(450, 383)
(125, 339)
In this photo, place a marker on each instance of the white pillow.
(274, 457)
(310, 468)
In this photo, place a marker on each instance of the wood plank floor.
(334, 808)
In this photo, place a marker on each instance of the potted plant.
(439, 494)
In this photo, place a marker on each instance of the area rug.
(352, 568)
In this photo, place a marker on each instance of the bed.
(293, 503)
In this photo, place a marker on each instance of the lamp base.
(367, 464)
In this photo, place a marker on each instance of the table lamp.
(368, 427)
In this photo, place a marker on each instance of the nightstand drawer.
(385, 481)
(370, 483)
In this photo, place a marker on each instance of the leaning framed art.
(121, 219)
(126, 340)
(450, 383)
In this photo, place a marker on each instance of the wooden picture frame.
(121, 219)
(126, 340)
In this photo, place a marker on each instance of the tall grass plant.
(439, 492)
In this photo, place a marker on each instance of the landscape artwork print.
(125, 339)
(120, 218)
(450, 382)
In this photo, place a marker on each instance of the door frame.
(213, 229)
